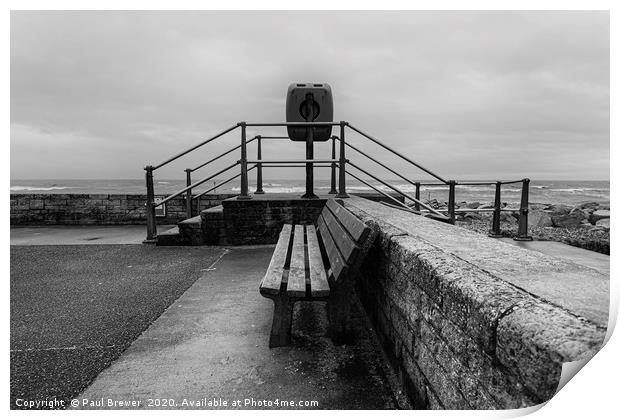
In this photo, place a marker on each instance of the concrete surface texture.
(564, 281)
(75, 308)
(212, 345)
(80, 235)
(587, 258)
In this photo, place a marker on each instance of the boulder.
(473, 205)
(598, 215)
(486, 206)
(505, 217)
(591, 205)
(603, 223)
(568, 220)
(539, 218)
(472, 216)
(559, 209)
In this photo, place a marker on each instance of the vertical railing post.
(451, 201)
(259, 168)
(333, 183)
(244, 164)
(151, 225)
(188, 194)
(523, 212)
(417, 195)
(497, 210)
(342, 193)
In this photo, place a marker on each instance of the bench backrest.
(343, 236)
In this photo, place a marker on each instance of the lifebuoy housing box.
(298, 106)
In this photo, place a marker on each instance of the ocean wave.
(575, 190)
(21, 188)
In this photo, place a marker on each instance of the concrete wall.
(460, 337)
(97, 209)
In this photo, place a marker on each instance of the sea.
(551, 192)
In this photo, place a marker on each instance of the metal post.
(523, 212)
(417, 195)
(342, 193)
(244, 164)
(495, 228)
(451, 202)
(188, 194)
(333, 187)
(259, 168)
(151, 225)
(309, 149)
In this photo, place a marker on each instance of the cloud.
(468, 94)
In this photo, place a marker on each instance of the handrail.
(294, 124)
(195, 184)
(332, 163)
(294, 161)
(222, 155)
(377, 162)
(195, 147)
(432, 210)
(396, 153)
(220, 184)
(383, 193)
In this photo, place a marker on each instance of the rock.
(604, 223)
(570, 220)
(559, 209)
(598, 215)
(472, 216)
(591, 205)
(486, 206)
(473, 205)
(539, 218)
(505, 217)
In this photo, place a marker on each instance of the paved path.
(571, 281)
(75, 308)
(211, 344)
(80, 235)
(585, 257)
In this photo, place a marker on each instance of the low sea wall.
(470, 322)
(98, 209)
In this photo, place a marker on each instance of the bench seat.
(314, 263)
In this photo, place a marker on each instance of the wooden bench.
(315, 263)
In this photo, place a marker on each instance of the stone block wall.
(259, 221)
(97, 209)
(459, 337)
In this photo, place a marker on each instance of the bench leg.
(282, 320)
(338, 308)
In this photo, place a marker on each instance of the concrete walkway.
(585, 257)
(570, 281)
(211, 345)
(80, 235)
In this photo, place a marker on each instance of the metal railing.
(339, 171)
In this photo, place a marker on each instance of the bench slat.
(297, 274)
(356, 228)
(318, 279)
(336, 262)
(345, 244)
(272, 280)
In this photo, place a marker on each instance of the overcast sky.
(478, 95)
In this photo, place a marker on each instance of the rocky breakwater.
(584, 225)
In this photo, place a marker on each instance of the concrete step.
(171, 237)
(191, 231)
(213, 226)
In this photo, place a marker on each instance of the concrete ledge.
(471, 322)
